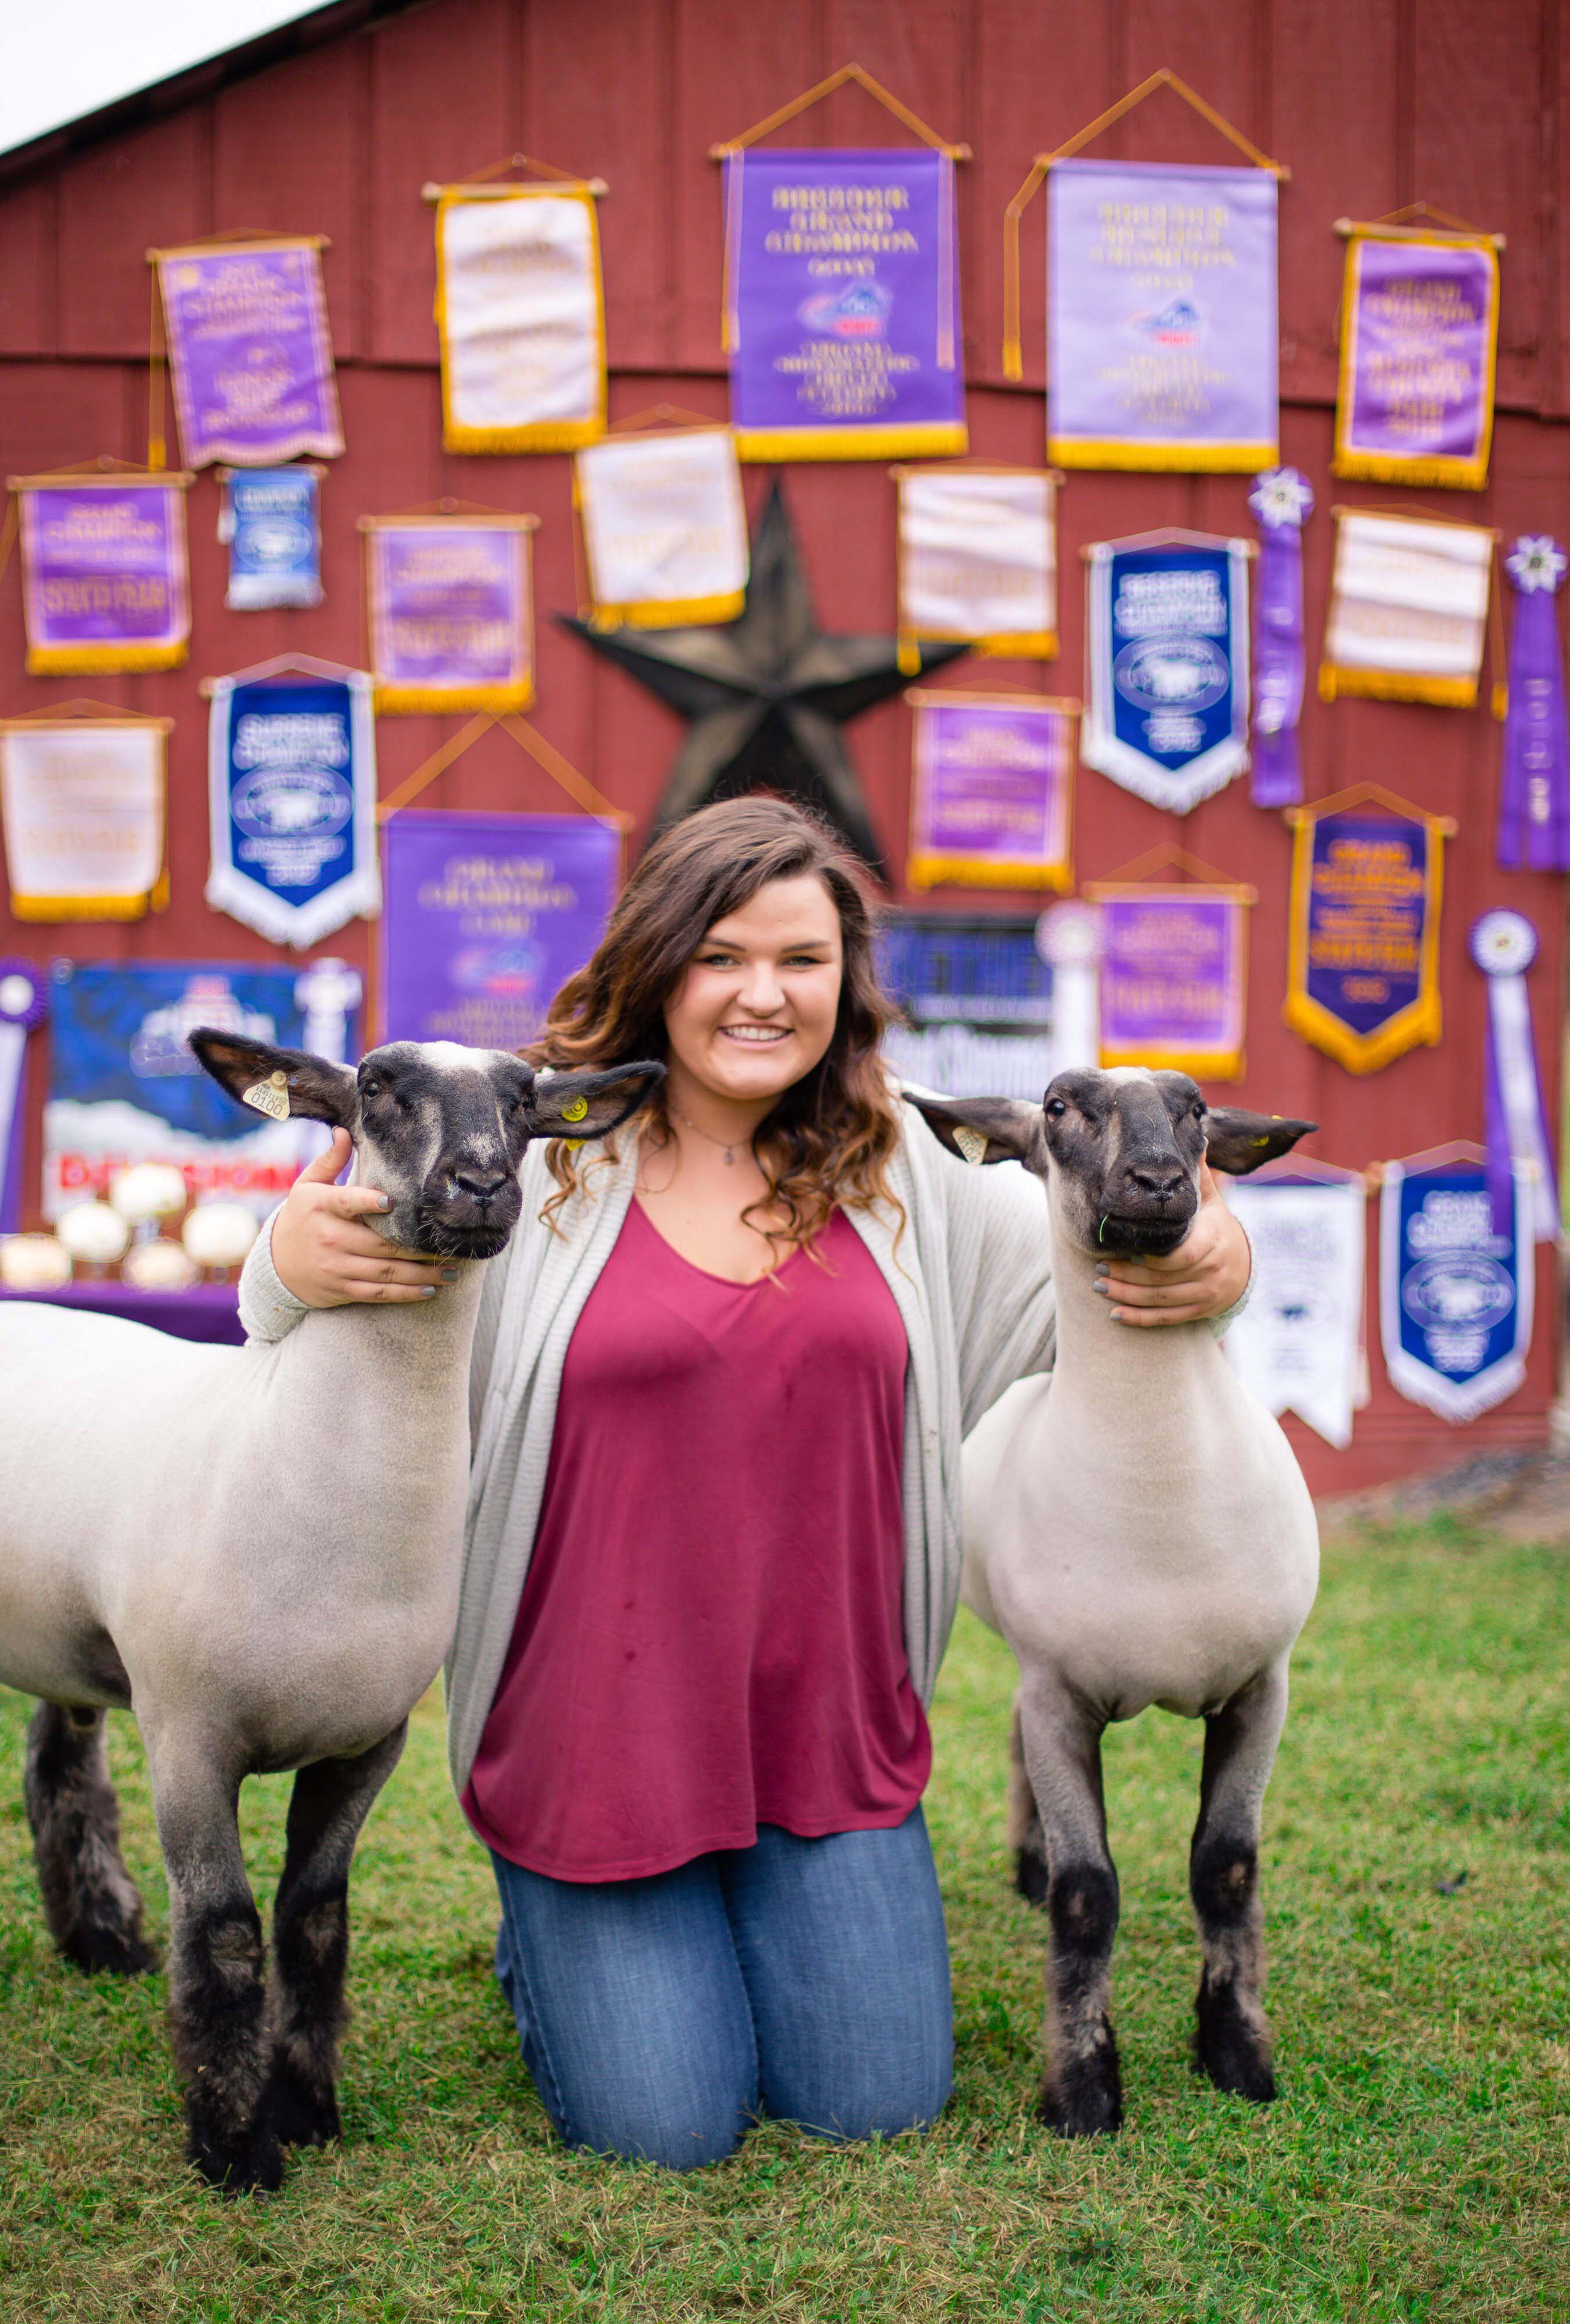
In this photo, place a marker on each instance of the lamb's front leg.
(311, 1937)
(216, 1998)
(1082, 2087)
(1232, 2040)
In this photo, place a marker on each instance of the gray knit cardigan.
(970, 1275)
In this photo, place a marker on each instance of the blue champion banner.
(271, 522)
(291, 768)
(1455, 1295)
(126, 1086)
(1167, 713)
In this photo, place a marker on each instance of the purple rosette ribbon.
(1282, 500)
(1534, 800)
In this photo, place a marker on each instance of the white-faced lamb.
(257, 1550)
(1137, 1528)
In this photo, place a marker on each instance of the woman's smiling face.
(756, 1007)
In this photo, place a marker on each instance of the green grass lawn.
(1414, 2167)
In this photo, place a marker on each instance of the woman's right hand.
(324, 1254)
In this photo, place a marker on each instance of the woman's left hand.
(1205, 1276)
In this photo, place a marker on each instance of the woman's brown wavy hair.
(830, 1139)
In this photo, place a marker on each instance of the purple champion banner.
(104, 576)
(1282, 500)
(450, 626)
(1363, 981)
(842, 304)
(1417, 330)
(249, 353)
(1533, 798)
(486, 917)
(1173, 979)
(1160, 316)
(990, 805)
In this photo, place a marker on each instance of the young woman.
(720, 1384)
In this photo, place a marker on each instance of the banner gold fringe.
(674, 613)
(1396, 686)
(1415, 1028)
(1384, 468)
(91, 908)
(85, 661)
(985, 872)
(850, 443)
(411, 700)
(1200, 1065)
(1219, 459)
(539, 436)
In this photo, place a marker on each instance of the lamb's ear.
(313, 1089)
(588, 1105)
(981, 1128)
(1238, 1142)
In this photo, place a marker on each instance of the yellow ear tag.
(576, 1111)
(972, 1143)
(270, 1097)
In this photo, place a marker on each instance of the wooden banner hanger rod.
(1002, 691)
(85, 710)
(826, 88)
(1166, 855)
(1369, 794)
(1415, 516)
(480, 183)
(1163, 78)
(972, 465)
(303, 665)
(1171, 536)
(237, 234)
(1395, 228)
(655, 416)
(433, 512)
(546, 755)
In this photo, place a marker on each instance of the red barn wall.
(1372, 103)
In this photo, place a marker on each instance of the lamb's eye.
(1055, 1106)
(371, 1089)
(1199, 1110)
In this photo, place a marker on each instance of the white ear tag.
(972, 1143)
(270, 1097)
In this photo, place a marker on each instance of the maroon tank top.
(710, 1634)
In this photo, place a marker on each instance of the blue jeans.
(803, 1978)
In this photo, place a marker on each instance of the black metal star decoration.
(767, 694)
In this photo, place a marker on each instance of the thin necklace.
(688, 1123)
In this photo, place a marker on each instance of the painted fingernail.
(449, 1275)
(428, 1291)
(384, 1202)
(1101, 1267)
(1101, 1287)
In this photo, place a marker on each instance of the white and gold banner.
(979, 560)
(82, 804)
(1408, 609)
(520, 308)
(664, 528)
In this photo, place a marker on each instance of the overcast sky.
(60, 59)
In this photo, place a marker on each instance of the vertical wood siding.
(1373, 103)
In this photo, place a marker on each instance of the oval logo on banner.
(278, 540)
(289, 802)
(1171, 673)
(1463, 1288)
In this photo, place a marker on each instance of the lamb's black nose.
(483, 1185)
(1157, 1180)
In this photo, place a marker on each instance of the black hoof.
(1030, 1875)
(249, 2161)
(1229, 2050)
(301, 2115)
(101, 1945)
(1086, 2099)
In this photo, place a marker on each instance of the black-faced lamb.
(1137, 1528)
(257, 1550)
